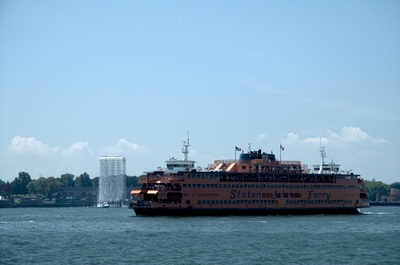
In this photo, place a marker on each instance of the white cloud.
(316, 140)
(22, 145)
(262, 137)
(348, 135)
(354, 135)
(291, 138)
(122, 146)
(79, 146)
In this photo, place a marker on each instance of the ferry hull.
(173, 211)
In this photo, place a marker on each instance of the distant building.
(112, 181)
(78, 193)
(394, 196)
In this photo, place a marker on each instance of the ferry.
(255, 184)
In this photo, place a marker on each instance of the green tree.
(395, 185)
(131, 181)
(45, 186)
(83, 180)
(95, 181)
(67, 180)
(6, 189)
(376, 188)
(20, 183)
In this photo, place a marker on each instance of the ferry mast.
(185, 150)
(323, 155)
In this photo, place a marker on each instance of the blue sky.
(82, 79)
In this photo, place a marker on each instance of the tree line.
(23, 184)
(48, 187)
(379, 188)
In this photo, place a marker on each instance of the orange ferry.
(256, 184)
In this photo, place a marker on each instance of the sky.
(83, 79)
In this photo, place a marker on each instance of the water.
(116, 236)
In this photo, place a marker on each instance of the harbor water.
(117, 236)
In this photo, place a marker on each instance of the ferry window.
(198, 202)
(203, 185)
(207, 185)
(212, 185)
(203, 202)
(243, 167)
(187, 201)
(212, 202)
(225, 186)
(216, 202)
(237, 186)
(198, 185)
(208, 202)
(229, 186)
(241, 186)
(241, 202)
(225, 202)
(268, 186)
(190, 185)
(184, 185)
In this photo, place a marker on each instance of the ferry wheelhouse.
(256, 184)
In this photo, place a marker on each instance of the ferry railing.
(278, 178)
(162, 188)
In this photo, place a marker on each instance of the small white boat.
(105, 205)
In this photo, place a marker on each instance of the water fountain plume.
(112, 181)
